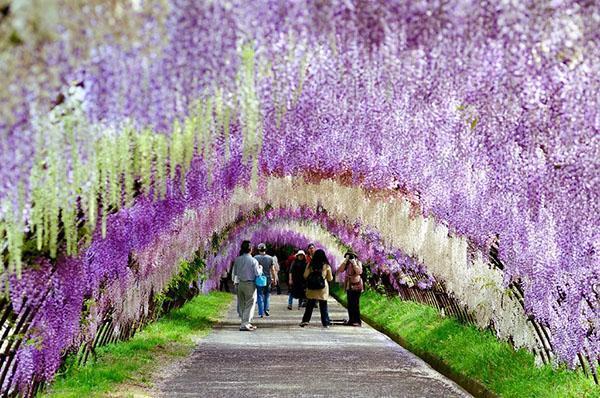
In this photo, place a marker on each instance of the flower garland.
(479, 116)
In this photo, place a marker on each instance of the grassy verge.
(474, 354)
(131, 363)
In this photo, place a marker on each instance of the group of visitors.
(309, 274)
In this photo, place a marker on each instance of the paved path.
(280, 359)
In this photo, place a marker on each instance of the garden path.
(280, 359)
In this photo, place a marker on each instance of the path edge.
(159, 377)
(471, 385)
(218, 323)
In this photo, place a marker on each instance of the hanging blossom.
(482, 115)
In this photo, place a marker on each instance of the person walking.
(264, 292)
(296, 285)
(310, 251)
(317, 275)
(277, 269)
(285, 271)
(289, 261)
(353, 284)
(224, 283)
(245, 271)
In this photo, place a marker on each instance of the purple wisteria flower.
(487, 117)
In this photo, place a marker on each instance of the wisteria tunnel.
(453, 145)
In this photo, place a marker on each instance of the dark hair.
(309, 246)
(303, 261)
(318, 260)
(246, 247)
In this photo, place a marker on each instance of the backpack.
(315, 280)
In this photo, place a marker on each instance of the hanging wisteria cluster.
(429, 127)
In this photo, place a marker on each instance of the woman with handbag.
(317, 275)
(353, 285)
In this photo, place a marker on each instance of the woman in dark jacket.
(296, 281)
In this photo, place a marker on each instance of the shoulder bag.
(261, 281)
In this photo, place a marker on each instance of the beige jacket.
(321, 294)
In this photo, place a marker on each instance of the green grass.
(470, 351)
(132, 362)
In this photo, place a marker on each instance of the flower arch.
(445, 132)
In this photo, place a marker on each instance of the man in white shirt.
(245, 271)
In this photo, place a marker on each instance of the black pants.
(353, 306)
(223, 285)
(310, 305)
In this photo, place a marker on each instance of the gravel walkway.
(280, 359)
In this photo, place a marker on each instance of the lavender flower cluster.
(282, 226)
